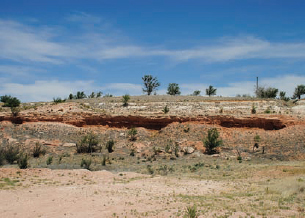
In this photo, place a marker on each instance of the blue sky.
(53, 48)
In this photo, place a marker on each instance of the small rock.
(69, 145)
(215, 155)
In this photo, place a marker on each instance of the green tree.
(283, 96)
(196, 93)
(262, 92)
(80, 95)
(299, 90)
(125, 99)
(87, 144)
(210, 91)
(150, 84)
(173, 89)
(99, 94)
(11, 102)
(71, 96)
(92, 95)
(212, 142)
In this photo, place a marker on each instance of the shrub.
(132, 133)
(210, 91)
(150, 169)
(299, 90)
(11, 153)
(125, 99)
(49, 160)
(38, 150)
(283, 96)
(212, 142)
(2, 157)
(23, 161)
(253, 110)
(104, 160)
(262, 92)
(191, 212)
(58, 100)
(150, 84)
(99, 94)
(86, 164)
(196, 93)
(173, 89)
(11, 102)
(88, 144)
(80, 95)
(92, 95)
(165, 109)
(110, 146)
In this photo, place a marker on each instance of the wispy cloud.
(20, 42)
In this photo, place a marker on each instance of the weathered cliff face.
(152, 122)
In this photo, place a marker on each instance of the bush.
(262, 92)
(38, 150)
(132, 133)
(11, 102)
(11, 153)
(191, 212)
(88, 144)
(196, 93)
(173, 89)
(49, 160)
(58, 100)
(253, 110)
(23, 161)
(2, 158)
(86, 164)
(299, 90)
(110, 146)
(283, 96)
(212, 142)
(125, 99)
(165, 109)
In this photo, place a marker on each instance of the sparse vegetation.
(132, 134)
(125, 99)
(210, 91)
(110, 146)
(173, 89)
(49, 160)
(88, 144)
(262, 92)
(58, 100)
(12, 102)
(11, 153)
(38, 150)
(23, 161)
(150, 84)
(298, 92)
(191, 212)
(212, 142)
(196, 93)
(165, 109)
(86, 163)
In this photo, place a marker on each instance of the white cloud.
(20, 42)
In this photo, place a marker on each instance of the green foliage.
(257, 138)
(23, 161)
(125, 99)
(11, 153)
(299, 90)
(132, 133)
(191, 212)
(150, 169)
(80, 95)
(253, 110)
(173, 89)
(86, 163)
(108, 95)
(58, 100)
(150, 84)
(92, 95)
(49, 160)
(110, 146)
(267, 111)
(71, 96)
(38, 150)
(10, 101)
(212, 142)
(165, 109)
(2, 158)
(167, 148)
(262, 92)
(99, 94)
(210, 91)
(283, 96)
(88, 144)
(196, 93)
